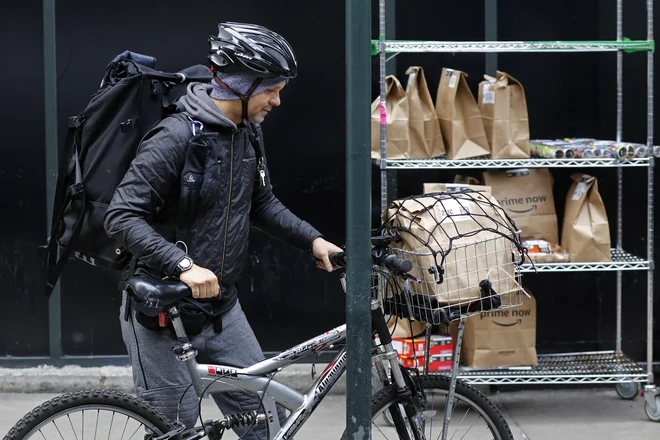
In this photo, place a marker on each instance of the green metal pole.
(491, 35)
(358, 220)
(50, 114)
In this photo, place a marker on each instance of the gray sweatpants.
(160, 379)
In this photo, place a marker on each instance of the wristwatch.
(183, 265)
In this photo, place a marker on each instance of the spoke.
(42, 434)
(96, 429)
(466, 432)
(125, 425)
(487, 429)
(58, 429)
(380, 429)
(431, 428)
(135, 432)
(461, 422)
(83, 425)
(111, 422)
(72, 428)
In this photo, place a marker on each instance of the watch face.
(185, 264)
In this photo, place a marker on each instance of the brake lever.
(407, 276)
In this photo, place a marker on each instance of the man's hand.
(202, 282)
(321, 250)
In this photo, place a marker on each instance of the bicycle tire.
(89, 400)
(388, 396)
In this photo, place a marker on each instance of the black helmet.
(241, 47)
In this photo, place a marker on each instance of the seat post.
(185, 352)
(180, 331)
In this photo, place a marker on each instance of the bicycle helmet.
(250, 48)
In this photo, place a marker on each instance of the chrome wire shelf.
(565, 368)
(440, 163)
(399, 46)
(621, 260)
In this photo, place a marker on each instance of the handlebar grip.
(338, 259)
(397, 264)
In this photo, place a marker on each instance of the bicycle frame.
(257, 379)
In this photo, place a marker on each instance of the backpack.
(100, 145)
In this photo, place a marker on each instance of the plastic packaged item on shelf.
(545, 151)
(541, 251)
(411, 351)
(440, 345)
(583, 149)
(612, 149)
(579, 141)
(436, 362)
(636, 150)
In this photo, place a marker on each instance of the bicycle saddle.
(153, 293)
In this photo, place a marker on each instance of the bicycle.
(407, 396)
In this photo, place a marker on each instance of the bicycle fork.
(388, 358)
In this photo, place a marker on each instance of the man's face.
(259, 105)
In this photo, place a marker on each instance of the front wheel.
(474, 416)
(91, 415)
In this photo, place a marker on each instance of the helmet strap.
(245, 97)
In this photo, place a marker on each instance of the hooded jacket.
(203, 191)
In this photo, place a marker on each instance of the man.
(184, 210)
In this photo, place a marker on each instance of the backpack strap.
(56, 260)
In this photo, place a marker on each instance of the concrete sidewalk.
(566, 414)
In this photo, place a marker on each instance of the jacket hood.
(201, 107)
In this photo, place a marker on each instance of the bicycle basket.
(466, 255)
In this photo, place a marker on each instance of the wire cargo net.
(466, 254)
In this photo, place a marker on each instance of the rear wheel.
(473, 417)
(91, 414)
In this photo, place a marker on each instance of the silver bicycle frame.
(208, 378)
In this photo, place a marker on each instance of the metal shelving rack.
(566, 368)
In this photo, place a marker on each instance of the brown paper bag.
(504, 113)
(424, 125)
(404, 328)
(471, 258)
(586, 231)
(460, 118)
(398, 135)
(526, 195)
(500, 338)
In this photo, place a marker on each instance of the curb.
(56, 380)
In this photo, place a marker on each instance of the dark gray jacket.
(158, 204)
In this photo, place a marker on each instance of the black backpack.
(100, 145)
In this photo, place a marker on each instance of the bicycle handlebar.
(391, 262)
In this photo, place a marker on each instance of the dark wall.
(23, 315)
(284, 296)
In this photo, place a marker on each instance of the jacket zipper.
(231, 181)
